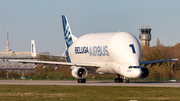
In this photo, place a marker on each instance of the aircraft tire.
(118, 80)
(81, 80)
(127, 81)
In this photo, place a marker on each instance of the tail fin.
(33, 49)
(69, 37)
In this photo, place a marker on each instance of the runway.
(89, 83)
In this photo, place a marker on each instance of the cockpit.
(130, 67)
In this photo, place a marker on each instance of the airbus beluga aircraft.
(101, 53)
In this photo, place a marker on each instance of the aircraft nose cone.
(137, 72)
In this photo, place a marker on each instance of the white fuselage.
(114, 52)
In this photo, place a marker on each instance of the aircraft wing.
(58, 63)
(53, 55)
(156, 61)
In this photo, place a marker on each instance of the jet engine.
(145, 72)
(79, 72)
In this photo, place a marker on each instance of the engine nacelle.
(145, 72)
(79, 72)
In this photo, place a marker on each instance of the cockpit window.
(130, 67)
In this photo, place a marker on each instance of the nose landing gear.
(127, 80)
(118, 80)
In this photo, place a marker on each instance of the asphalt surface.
(89, 83)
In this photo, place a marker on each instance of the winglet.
(33, 49)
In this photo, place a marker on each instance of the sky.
(40, 20)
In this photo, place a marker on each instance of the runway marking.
(89, 83)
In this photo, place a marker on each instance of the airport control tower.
(145, 36)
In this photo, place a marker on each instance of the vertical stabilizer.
(68, 36)
(33, 49)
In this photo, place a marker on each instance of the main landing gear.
(81, 80)
(118, 80)
(127, 80)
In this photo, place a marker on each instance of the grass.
(86, 93)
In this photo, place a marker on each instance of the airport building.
(145, 36)
(15, 55)
(9, 54)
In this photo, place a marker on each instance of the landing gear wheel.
(81, 80)
(118, 80)
(127, 80)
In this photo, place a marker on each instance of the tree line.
(160, 52)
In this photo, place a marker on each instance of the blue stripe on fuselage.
(67, 56)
